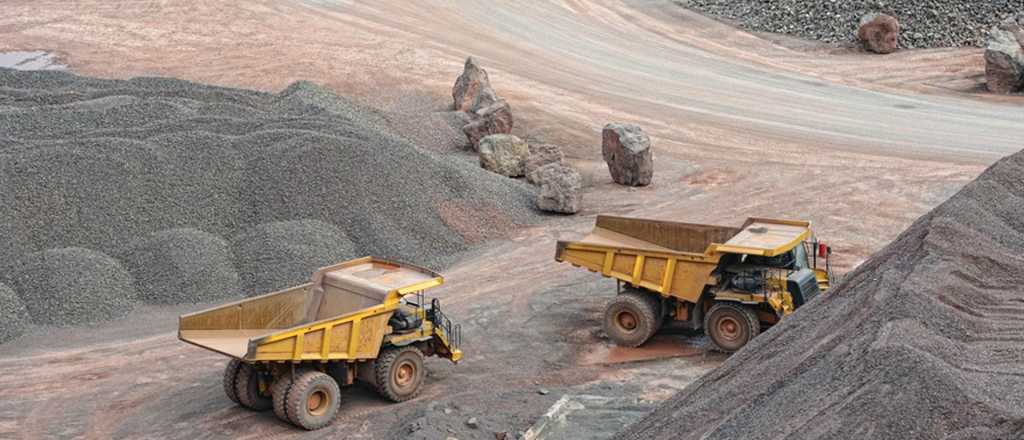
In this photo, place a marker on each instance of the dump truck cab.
(728, 281)
(362, 320)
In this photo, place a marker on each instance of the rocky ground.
(924, 24)
(739, 124)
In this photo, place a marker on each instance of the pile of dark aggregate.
(15, 317)
(923, 341)
(172, 179)
(924, 23)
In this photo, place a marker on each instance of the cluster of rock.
(879, 33)
(1004, 56)
(489, 133)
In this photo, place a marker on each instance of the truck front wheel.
(312, 400)
(632, 318)
(398, 373)
(730, 326)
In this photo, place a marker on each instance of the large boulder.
(504, 154)
(1004, 56)
(179, 266)
(15, 316)
(540, 155)
(879, 33)
(73, 286)
(561, 189)
(493, 119)
(275, 256)
(627, 151)
(472, 90)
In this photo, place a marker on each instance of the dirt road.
(742, 125)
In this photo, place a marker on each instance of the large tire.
(279, 394)
(313, 400)
(731, 326)
(230, 375)
(252, 390)
(632, 318)
(398, 373)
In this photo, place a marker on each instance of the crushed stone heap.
(922, 341)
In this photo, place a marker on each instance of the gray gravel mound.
(182, 266)
(15, 316)
(99, 163)
(924, 23)
(275, 256)
(922, 341)
(72, 286)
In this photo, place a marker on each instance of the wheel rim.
(729, 329)
(405, 374)
(318, 402)
(626, 320)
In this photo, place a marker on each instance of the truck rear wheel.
(313, 400)
(279, 393)
(398, 373)
(632, 318)
(252, 389)
(730, 326)
(230, 374)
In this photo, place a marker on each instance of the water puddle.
(659, 347)
(30, 60)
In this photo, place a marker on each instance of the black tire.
(230, 374)
(252, 389)
(730, 326)
(313, 400)
(279, 394)
(632, 318)
(398, 373)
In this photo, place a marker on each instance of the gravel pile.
(98, 164)
(924, 23)
(922, 341)
(181, 266)
(278, 255)
(73, 286)
(15, 317)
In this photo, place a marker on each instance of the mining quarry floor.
(742, 125)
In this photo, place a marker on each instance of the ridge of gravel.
(105, 164)
(924, 24)
(921, 341)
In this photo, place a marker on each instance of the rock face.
(561, 189)
(879, 33)
(540, 155)
(504, 154)
(493, 119)
(472, 89)
(627, 150)
(1004, 56)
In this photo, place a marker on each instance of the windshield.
(800, 254)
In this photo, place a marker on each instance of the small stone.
(879, 33)
(543, 391)
(472, 423)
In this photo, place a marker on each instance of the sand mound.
(182, 266)
(278, 255)
(15, 316)
(99, 163)
(923, 341)
(73, 286)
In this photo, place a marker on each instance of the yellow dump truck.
(728, 281)
(292, 350)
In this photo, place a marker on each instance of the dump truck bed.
(341, 314)
(672, 258)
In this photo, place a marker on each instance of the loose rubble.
(561, 189)
(540, 155)
(925, 24)
(627, 151)
(1004, 56)
(921, 341)
(503, 154)
(181, 266)
(879, 33)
